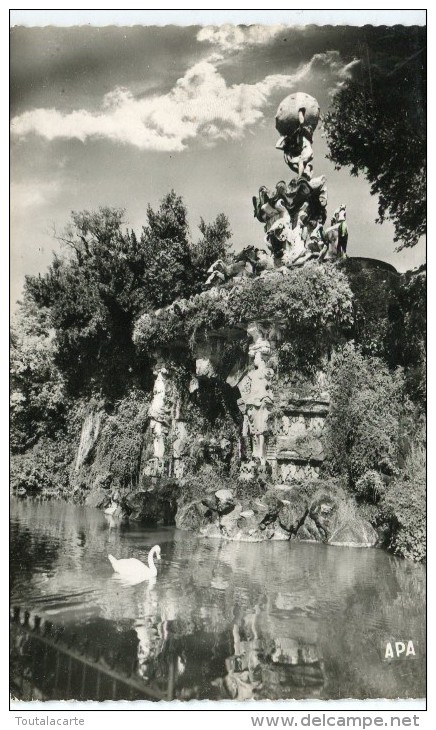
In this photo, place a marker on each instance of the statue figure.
(264, 260)
(279, 233)
(249, 262)
(243, 264)
(284, 212)
(336, 236)
(313, 241)
(294, 213)
(160, 415)
(296, 120)
(297, 149)
(340, 229)
(256, 399)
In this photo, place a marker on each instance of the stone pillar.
(168, 430)
(160, 420)
(299, 430)
(179, 441)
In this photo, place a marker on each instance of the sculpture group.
(294, 214)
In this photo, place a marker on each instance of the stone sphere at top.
(287, 113)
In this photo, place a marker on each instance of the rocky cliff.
(233, 441)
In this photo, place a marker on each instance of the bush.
(405, 504)
(206, 481)
(363, 427)
(120, 445)
(371, 486)
(44, 469)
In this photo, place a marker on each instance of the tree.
(109, 277)
(38, 399)
(92, 296)
(378, 126)
(167, 274)
(213, 245)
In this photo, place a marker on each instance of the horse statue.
(249, 262)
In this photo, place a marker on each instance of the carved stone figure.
(285, 212)
(288, 113)
(270, 206)
(339, 229)
(265, 262)
(336, 236)
(297, 149)
(167, 426)
(243, 264)
(256, 399)
(296, 120)
(316, 244)
(294, 214)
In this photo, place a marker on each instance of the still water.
(266, 620)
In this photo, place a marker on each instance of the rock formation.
(88, 437)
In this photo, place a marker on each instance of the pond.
(264, 620)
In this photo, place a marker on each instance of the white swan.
(133, 569)
(111, 509)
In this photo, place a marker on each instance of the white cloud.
(200, 106)
(26, 196)
(234, 37)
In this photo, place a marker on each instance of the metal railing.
(46, 664)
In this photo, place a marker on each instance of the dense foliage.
(389, 321)
(377, 125)
(406, 341)
(365, 414)
(39, 402)
(110, 276)
(119, 450)
(405, 504)
(375, 438)
(313, 306)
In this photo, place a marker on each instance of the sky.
(118, 116)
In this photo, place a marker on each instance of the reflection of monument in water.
(242, 662)
(222, 642)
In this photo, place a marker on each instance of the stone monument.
(294, 213)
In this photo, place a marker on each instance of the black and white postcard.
(218, 359)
